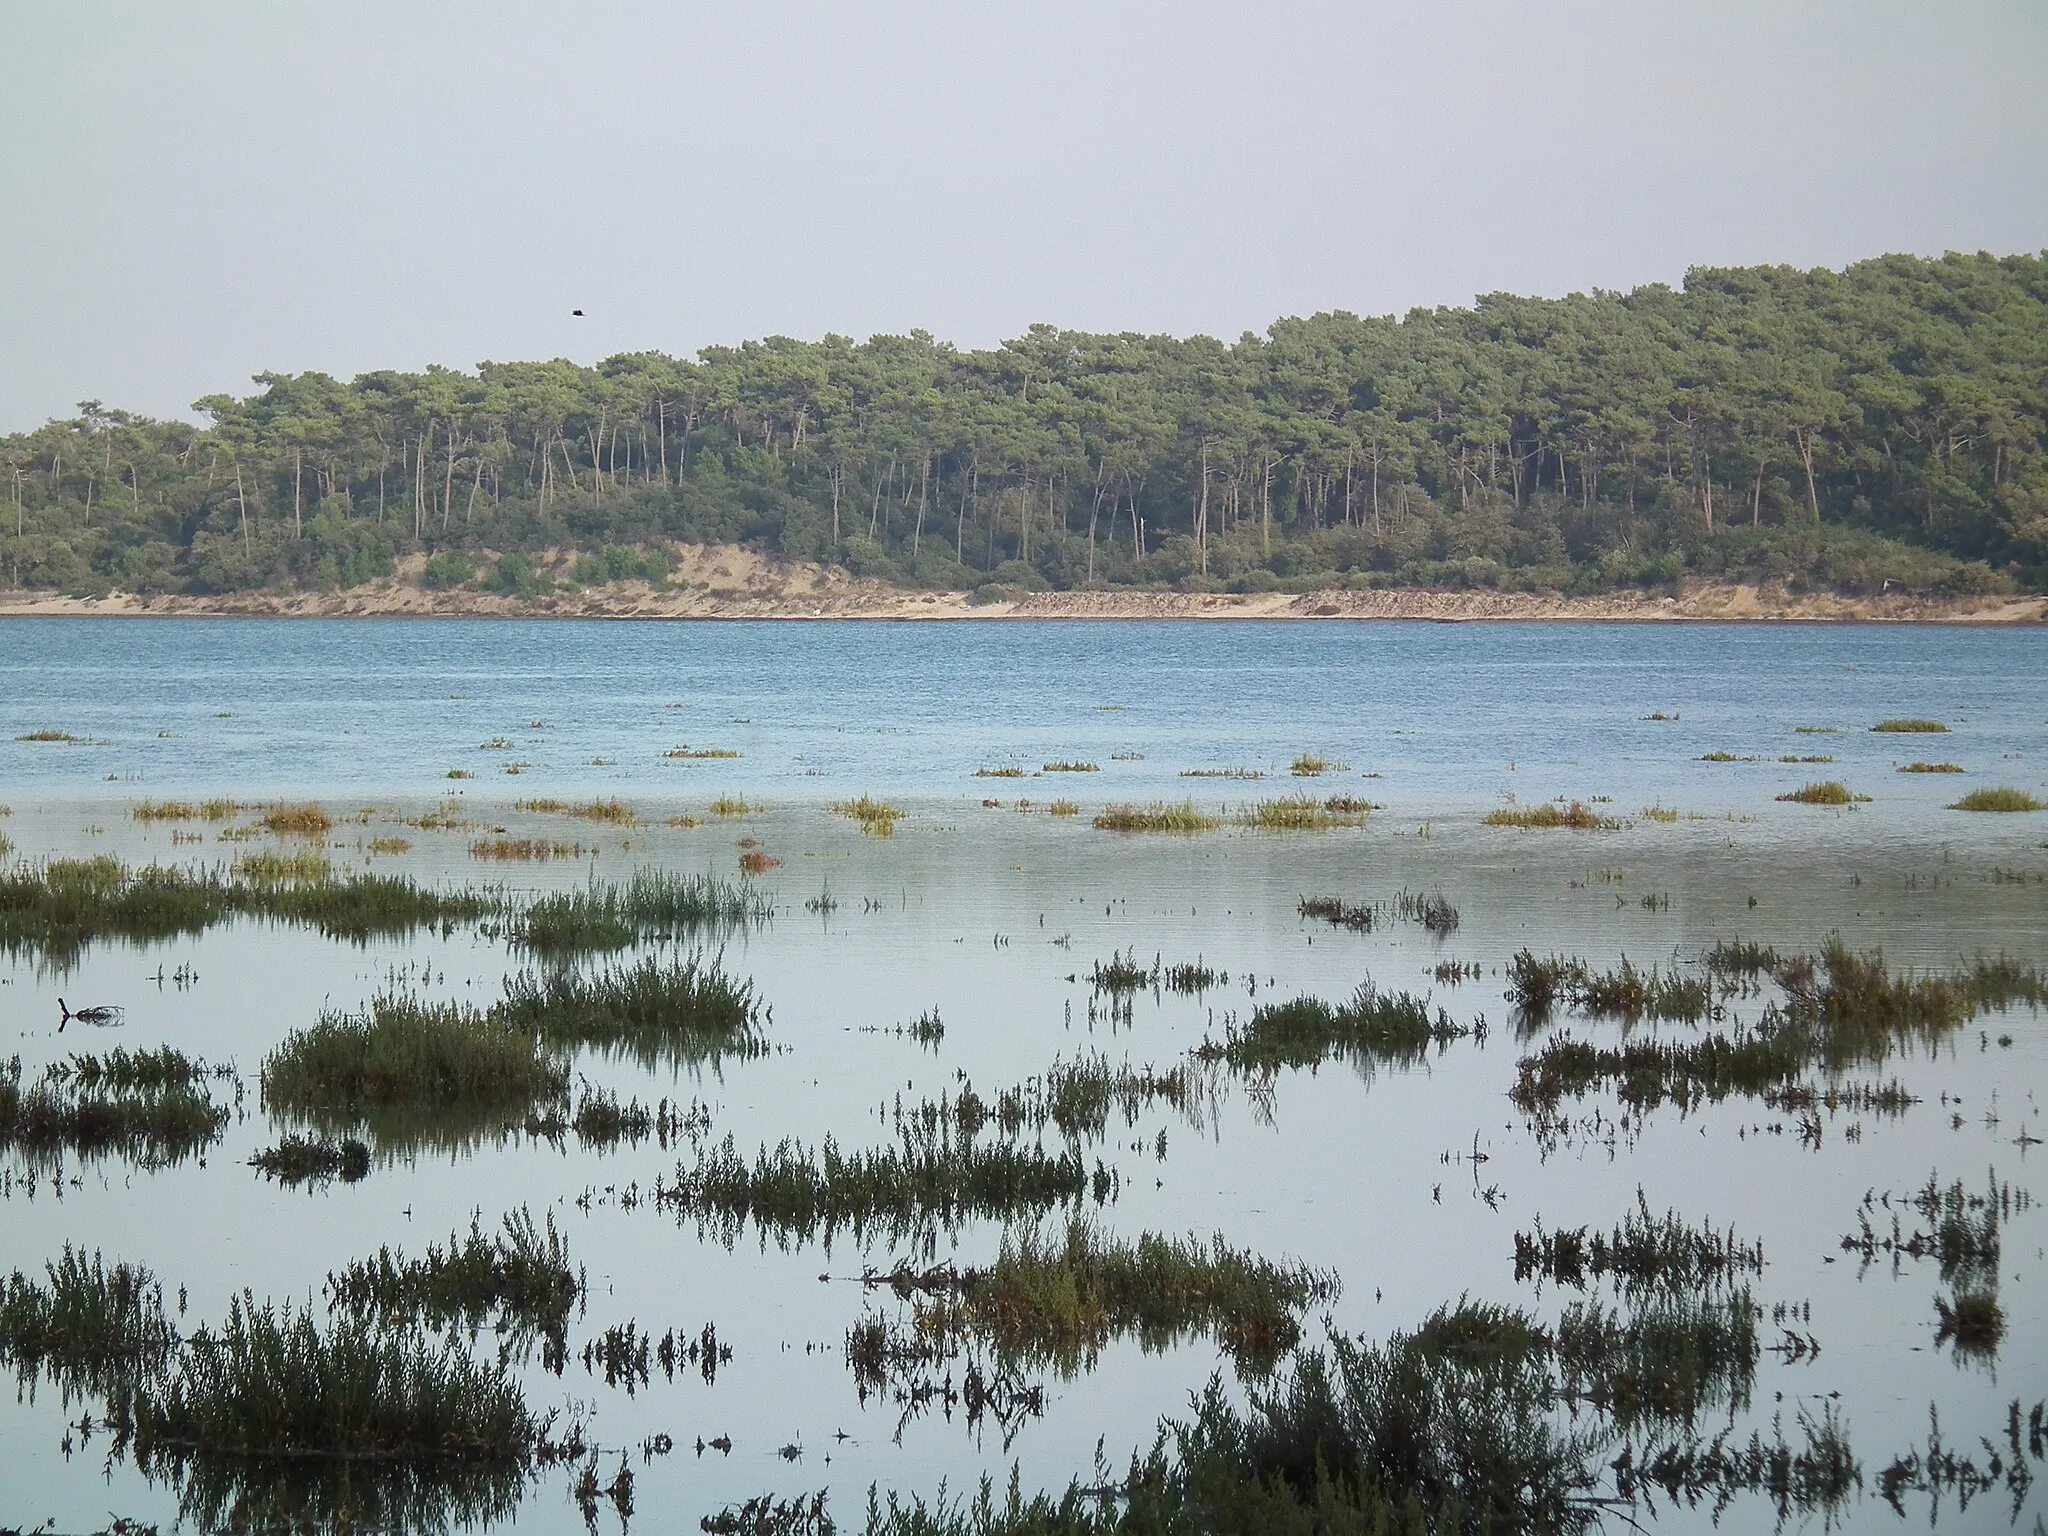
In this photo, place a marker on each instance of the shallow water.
(994, 916)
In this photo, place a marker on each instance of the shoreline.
(725, 583)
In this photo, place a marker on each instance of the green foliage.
(1865, 430)
(1374, 1026)
(1999, 799)
(449, 568)
(151, 1107)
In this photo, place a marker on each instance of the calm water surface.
(994, 915)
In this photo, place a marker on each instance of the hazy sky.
(192, 193)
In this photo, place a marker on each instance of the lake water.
(1409, 1183)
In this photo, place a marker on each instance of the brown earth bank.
(712, 582)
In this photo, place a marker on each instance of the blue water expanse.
(819, 710)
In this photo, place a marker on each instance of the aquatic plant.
(652, 903)
(1299, 813)
(1433, 911)
(1626, 992)
(1642, 1253)
(1156, 817)
(613, 811)
(1932, 768)
(1971, 1322)
(1124, 972)
(925, 1183)
(877, 818)
(1339, 913)
(91, 1329)
(695, 753)
(732, 805)
(1222, 773)
(1915, 727)
(52, 735)
(535, 849)
(297, 821)
(1373, 1026)
(1999, 800)
(403, 1053)
(1191, 978)
(1664, 1360)
(520, 1278)
(1823, 792)
(1063, 808)
(1576, 816)
(661, 1010)
(314, 1160)
(1310, 765)
(150, 1107)
(1060, 1299)
(1724, 757)
(1072, 767)
(1661, 813)
(272, 1415)
(1735, 957)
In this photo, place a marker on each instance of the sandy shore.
(729, 583)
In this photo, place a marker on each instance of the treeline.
(1888, 423)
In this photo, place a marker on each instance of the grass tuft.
(1159, 816)
(1932, 768)
(297, 821)
(1999, 800)
(1823, 792)
(877, 818)
(1575, 816)
(1912, 727)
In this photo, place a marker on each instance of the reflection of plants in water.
(1643, 1252)
(152, 1108)
(521, 1278)
(607, 916)
(1961, 1231)
(1372, 1027)
(1943, 1469)
(933, 1180)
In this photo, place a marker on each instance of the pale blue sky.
(191, 193)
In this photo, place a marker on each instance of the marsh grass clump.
(614, 811)
(505, 849)
(877, 818)
(1002, 771)
(1576, 817)
(283, 868)
(732, 805)
(1737, 957)
(151, 1107)
(1060, 1300)
(1912, 727)
(1311, 765)
(1372, 1027)
(1339, 913)
(297, 821)
(1192, 978)
(1932, 768)
(1063, 808)
(661, 1010)
(1823, 792)
(1642, 1253)
(271, 1413)
(1072, 767)
(700, 753)
(652, 903)
(92, 1330)
(405, 1056)
(1123, 973)
(1433, 911)
(1076, 1098)
(1971, 1322)
(1666, 1360)
(1628, 993)
(1724, 757)
(1999, 800)
(314, 1160)
(929, 1181)
(1961, 1231)
(1159, 816)
(1222, 773)
(1300, 813)
(520, 1277)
